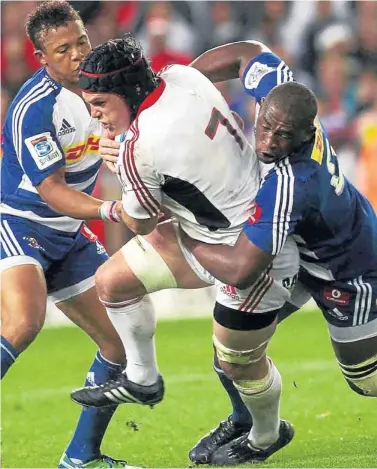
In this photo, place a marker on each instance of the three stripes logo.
(120, 395)
(66, 128)
(230, 291)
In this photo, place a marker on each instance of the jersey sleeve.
(36, 141)
(263, 73)
(279, 206)
(141, 184)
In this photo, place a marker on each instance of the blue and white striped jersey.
(306, 195)
(47, 127)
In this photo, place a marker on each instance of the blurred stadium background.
(332, 47)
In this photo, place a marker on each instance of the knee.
(237, 372)
(362, 378)
(239, 365)
(111, 285)
(105, 283)
(31, 328)
(23, 330)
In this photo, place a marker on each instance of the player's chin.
(75, 76)
(267, 158)
(73, 79)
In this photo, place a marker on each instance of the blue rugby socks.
(240, 413)
(93, 422)
(8, 355)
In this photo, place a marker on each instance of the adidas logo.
(66, 128)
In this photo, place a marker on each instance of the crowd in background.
(330, 45)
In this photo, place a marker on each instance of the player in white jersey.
(275, 72)
(183, 150)
(49, 169)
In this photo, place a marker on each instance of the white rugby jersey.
(185, 151)
(47, 127)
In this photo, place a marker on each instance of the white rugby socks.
(262, 398)
(135, 322)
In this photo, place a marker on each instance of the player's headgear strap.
(119, 66)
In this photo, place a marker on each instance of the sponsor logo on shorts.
(32, 242)
(337, 314)
(100, 248)
(336, 296)
(85, 231)
(289, 282)
(255, 213)
(230, 291)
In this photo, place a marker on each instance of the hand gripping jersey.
(47, 127)
(185, 151)
(306, 195)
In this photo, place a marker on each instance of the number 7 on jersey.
(216, 119)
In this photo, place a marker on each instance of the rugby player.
(184, 150)
(49, 169)
(303, 194)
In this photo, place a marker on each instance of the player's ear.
(310, 133)
(39, 55)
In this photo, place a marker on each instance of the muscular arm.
(65, 200)
(229, 61)
(239, 265)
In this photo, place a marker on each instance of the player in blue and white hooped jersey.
(303, 193)
(49, 169)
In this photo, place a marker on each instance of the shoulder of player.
(141, 140)
(35, 100)
(176, 69)
(261, 65)
(293, 169)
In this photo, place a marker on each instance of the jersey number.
(216, 119)
(337, 178)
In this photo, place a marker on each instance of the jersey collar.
(152, 98)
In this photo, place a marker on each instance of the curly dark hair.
(48, 15)
(119, 66)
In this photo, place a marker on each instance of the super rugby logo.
(255, 74)
(43, 149)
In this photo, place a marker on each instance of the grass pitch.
(334, 426)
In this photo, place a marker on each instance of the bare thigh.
(352, 353)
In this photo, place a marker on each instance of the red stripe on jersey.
(127, 150)
(152, 202)
(152, 98)
(125, 166)
(146, 200)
